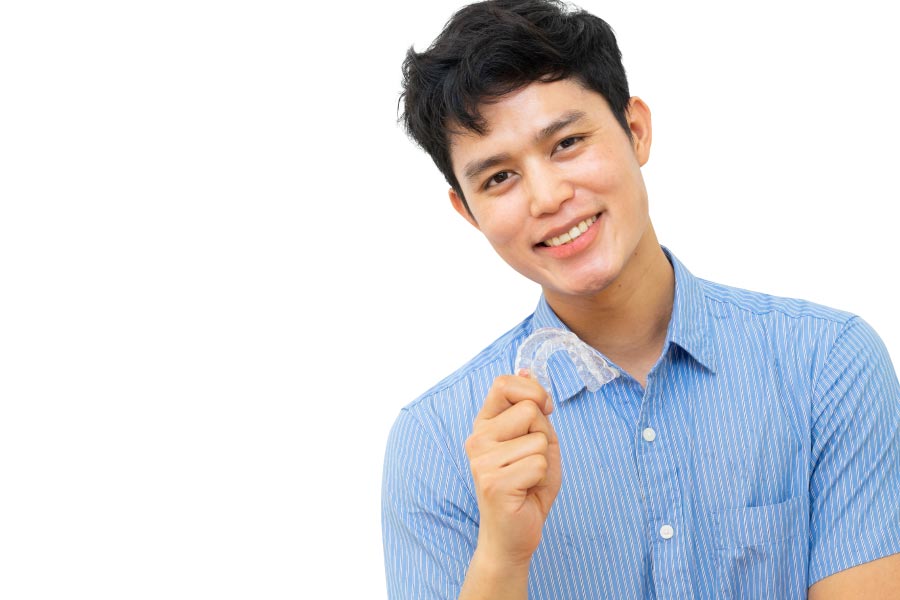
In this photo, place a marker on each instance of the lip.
(580, 243)
(565, 229)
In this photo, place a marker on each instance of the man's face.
(555, 162)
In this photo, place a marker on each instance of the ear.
(460, 206)
(641, 129)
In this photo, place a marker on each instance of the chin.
(584, 288)
(596, 280)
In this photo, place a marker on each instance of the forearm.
(491, 579)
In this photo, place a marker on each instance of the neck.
(627, 321)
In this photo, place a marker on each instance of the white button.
(649, 434)
(666, 532)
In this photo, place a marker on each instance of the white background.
(224, 269)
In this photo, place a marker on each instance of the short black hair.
(492, 48)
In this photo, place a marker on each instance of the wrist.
(498, 550)
(498, 562)
(496, 576)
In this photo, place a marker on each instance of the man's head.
(492, 48)
(525, 108)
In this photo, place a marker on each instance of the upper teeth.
(571, 234)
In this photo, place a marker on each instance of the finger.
(508, 390)
(518, 420)
(504, 454)
(525, 473)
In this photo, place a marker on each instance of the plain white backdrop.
(224, 269)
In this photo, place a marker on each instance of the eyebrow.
(558, 125)
(477, 167)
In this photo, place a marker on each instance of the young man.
(750, 446)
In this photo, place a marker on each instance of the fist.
(514, 456)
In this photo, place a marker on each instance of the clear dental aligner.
(537, 348)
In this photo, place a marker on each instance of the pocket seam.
(759, 525)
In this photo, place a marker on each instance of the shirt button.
(649, 434)
(666, 532)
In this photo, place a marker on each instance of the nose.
(549, 189)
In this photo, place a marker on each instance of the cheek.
(503, 235)
(597, 171)
(618, 182)
(502, 224)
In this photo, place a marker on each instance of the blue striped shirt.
(763, 455)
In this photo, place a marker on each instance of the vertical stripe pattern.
(762, 456)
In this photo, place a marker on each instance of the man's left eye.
(568, 142)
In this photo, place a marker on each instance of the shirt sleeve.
(429, 517)
(855, 457)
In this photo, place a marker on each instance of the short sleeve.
(855, 455)
(429, 517)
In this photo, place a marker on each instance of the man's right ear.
(460, 206)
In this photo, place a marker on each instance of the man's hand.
(514, 456)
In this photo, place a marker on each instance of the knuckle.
(475, 465)
(473, 444)
(531, 409)
(536, 388)
(488, 484)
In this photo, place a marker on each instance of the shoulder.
(781, 327)
(471, 378)
(445, 411)
(724, 300)
(790, 338)
(810, 342)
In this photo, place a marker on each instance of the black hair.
(492, 48)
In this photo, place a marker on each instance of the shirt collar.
(689, 325)
(688, 329)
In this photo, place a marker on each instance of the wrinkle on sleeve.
(429, 519)
(855, 457)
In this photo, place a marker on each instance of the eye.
(497, 179)
(569, 142)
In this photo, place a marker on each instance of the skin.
(876, 580)
(553, 155)
(584, 165)
(514, 456)
(616, 294)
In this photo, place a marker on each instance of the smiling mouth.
(571, 235)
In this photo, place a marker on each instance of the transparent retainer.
(538, 347)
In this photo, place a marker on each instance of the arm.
(429, 515)
(876, 580)
(438, 541)
(514, 456)
(855, 478)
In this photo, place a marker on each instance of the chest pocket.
(762, 551)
